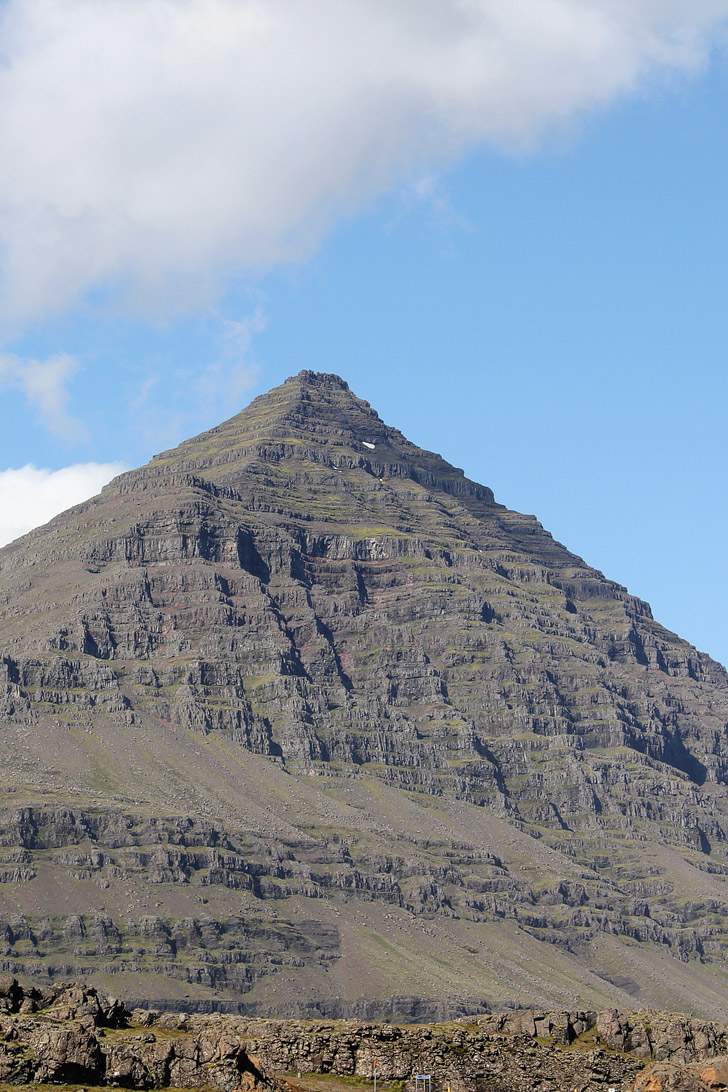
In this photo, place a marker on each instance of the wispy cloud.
(224, 381)
(30, 496)
(203, 391)
(44, 384)
(150, 147)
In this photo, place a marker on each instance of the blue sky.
(527, 276)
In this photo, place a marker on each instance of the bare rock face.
(663, 1036)
(73, 1034)
(671, 1077)
(714, 1073)
(667, 1077)
(297, 708)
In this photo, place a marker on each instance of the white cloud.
(43, 383)
(31, 496)
(179, 400)
(223, 382)
(152, 146)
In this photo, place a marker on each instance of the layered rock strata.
(297, 708)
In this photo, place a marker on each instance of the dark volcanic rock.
(297, 718)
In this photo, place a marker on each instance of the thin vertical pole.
(375, 1075)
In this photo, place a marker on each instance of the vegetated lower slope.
(298, 718)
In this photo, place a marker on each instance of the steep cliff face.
(298, 703)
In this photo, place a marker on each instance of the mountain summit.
(298, 719)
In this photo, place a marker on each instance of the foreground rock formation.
(70, 1034)
(298, 719)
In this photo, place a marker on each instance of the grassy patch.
(330, 1082)
(5, 1087)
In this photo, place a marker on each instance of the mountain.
(296, 719)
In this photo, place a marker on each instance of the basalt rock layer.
(298, 719)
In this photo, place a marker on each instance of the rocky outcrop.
(71, 1034)
(671, 1077)
(667, 1077)
(665, 1037)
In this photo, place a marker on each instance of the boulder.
(668, 1077)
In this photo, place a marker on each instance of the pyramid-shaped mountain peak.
(302, 432)
(299, 693)
(313, 405)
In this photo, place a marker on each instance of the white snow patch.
(367, 444)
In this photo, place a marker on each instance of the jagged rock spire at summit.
(299, 693)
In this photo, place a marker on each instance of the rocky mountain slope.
(298, 719)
